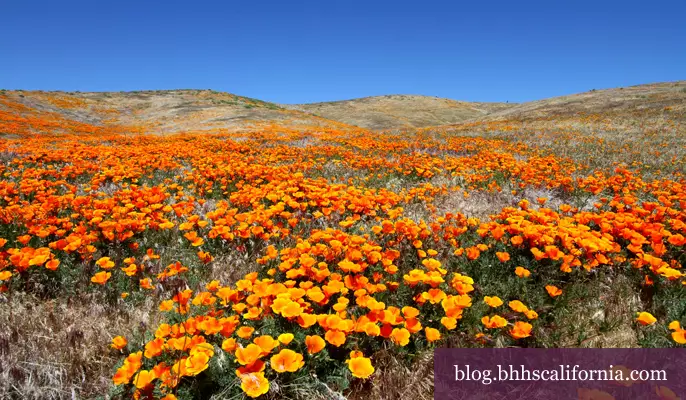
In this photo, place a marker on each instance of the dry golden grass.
(53, 349)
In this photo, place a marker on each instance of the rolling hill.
(171, 111)
(158, 111)
(625, 102)
(400, 111)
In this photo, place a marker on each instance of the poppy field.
(326, 261)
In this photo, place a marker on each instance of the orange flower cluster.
(329, 289)
(357, 241)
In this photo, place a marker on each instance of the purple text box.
(560, 374)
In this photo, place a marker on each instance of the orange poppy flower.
(118, 342)
(434, 296)
(314, 344)
(245, 332)
(197, 362)
(285, 338)
(266, 343)
(645, 318)
(254, 384)
(144, 378)
(105, 263)
(287, 361)
(335, 337)
(449, 322)
(146, 283)
(361, 367)
(518, 306)
(229, 345)
(521, 330)
(410, 312)
(493, 301)
(249, 354)
(503, 256)
(400, 336)
(553, 291)
(53, 264)
(306, 320)
(516, 240)
(522, 272)
(494, 322)
(154, 348)
(473, 253)
(665, 393)
(101, 277)
(432, 334)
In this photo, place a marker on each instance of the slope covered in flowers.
(289, 262)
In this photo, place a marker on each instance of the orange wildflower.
(432, 334)
(361, 367)
(287, 361)
(493, 301)
(553, 291)
(521, 330)
(314, 344)
(254, 384)
(101, 277)
(522, 272)
(494, 322)
(118, 342)
(645, 318)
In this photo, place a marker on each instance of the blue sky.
(307, 51)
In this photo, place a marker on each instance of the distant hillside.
(159, 111)
(399, 111)
(169, 111)
(650, 100)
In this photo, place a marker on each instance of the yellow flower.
(267, 343)
(522, 272)
(101, 277)
(197, 362)
(287, 361)
(645, 318)
(245, 332)
(493, 301)
(144, 378)
(166, 305)
(361, 367)
(249, 354)
(678, 334)
(229, 345)
(432, 334)
(118, 342)
(285, 338)
(335, 337)
(254, 384)
(314, 344)
(400, 336)
(449, 323)
(553, 291)
(494, 322)
(521, 330)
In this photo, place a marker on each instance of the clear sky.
(307, 51)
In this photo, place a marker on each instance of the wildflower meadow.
(295, 261)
